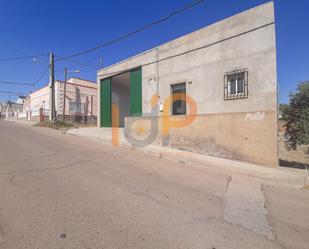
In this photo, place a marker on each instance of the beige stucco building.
(80, 100)
(227, 72)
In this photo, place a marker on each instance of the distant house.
(21, 99)
(9, 109)
(77, 104)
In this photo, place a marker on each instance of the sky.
(65, 27)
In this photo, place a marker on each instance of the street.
(63, 191)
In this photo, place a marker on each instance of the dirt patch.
(56, 125)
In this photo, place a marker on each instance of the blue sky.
(64, 27)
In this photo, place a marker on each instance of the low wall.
(39, 118)
(79, 119)
(250, 137)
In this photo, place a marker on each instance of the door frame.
(106, 109)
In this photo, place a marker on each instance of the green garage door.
(106, 118)
(136, 92)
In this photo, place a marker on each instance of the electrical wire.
(22, 57)
(135, 31)
(18, 51)
(78, 63)
(188, 51)
(41, 76)
(15, 93)
(15, 83)
(13, 49)
(22, 83)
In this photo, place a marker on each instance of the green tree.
(297, 117)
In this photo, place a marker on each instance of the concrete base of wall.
(274, 175)
(231, 135)
(79, 119)
(37, 119)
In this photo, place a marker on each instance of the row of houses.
(213, 91)
(75, 100)
(9, 109)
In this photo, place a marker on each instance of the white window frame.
(81, 107)
(228, 84)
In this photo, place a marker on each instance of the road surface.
(62, 191)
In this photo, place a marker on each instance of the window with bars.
(236, 84)
(179, 105)
(76, 107)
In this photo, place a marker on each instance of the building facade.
(213, 91)
(76, 100)
(9, 109)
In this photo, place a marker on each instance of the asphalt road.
(62, 191)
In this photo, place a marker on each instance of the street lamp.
(64, 89)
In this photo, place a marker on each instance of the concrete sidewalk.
(275, 175)
(22, 122)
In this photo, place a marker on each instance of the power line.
(15, 83)
(18, 51)
(191, 50)
(22, 57)
(78, 63)
(41, 76)
(13, 49)
(135, 31)
(15, 93)
(22, 83)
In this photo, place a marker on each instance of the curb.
(284, 176)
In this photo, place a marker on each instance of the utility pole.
(51, 87)
(64, 92)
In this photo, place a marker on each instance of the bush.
(296, 115)
(55, 125)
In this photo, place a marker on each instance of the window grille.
(236, 84)
(76, 107)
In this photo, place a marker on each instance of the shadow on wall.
(81, 119)
(293, 164)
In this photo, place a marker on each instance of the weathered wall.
(40, 98)
(205, 68)
(27, 103)
(245, 136)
